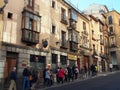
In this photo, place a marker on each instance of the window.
(53, 4)
(30, 21)
(84, 26)
(101, 48)
(101, 36)
(92, 32)
(110, 20)
(112, 39)
(111, 29)
(63, 14)
(30, 24)
(73, 24)
(30, 3)
(74, 36)
(63, 60)
(84, 39)
(54, 58)
(74, 15)
(63, 37)
(64, 18)
(53, 29)
(93, 46)
(10, 15)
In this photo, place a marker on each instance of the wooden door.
(86, 61)
(78, 63)
(10, 63)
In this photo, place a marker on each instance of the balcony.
(64, 19)
(102, 55)
(72, 25)
(111, 33)
(73, 36)
(64, 44)
(85, 46)
(94, 53)
(85, 32)
(30, 37)
(113, 46)
(73, 46)
(102, 42)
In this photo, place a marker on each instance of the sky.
(83, 4)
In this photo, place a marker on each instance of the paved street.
(102, 82)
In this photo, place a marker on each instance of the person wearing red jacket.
(61, 75)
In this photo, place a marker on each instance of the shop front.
(72, 60)
(38, 62)
(63, 61)
(86, 61)
(54, 62)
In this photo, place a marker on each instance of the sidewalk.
(81, 78)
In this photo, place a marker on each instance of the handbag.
(30, 77)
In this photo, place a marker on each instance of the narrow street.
(102, 82)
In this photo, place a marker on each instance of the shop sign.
(72, 57)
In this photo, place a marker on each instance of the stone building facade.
(47, 33)
(113, 22)
(40, 34)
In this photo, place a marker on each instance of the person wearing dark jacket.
(26, 75)
(70, 74)
(13, 78)
(92, 69)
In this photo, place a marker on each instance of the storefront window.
(37, 62)
(54, 61)
(63, 60)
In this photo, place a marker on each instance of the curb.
(79, 80)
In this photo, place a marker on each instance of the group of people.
(30, 78)
(60, 75)
(66, 74)
(93, 68)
